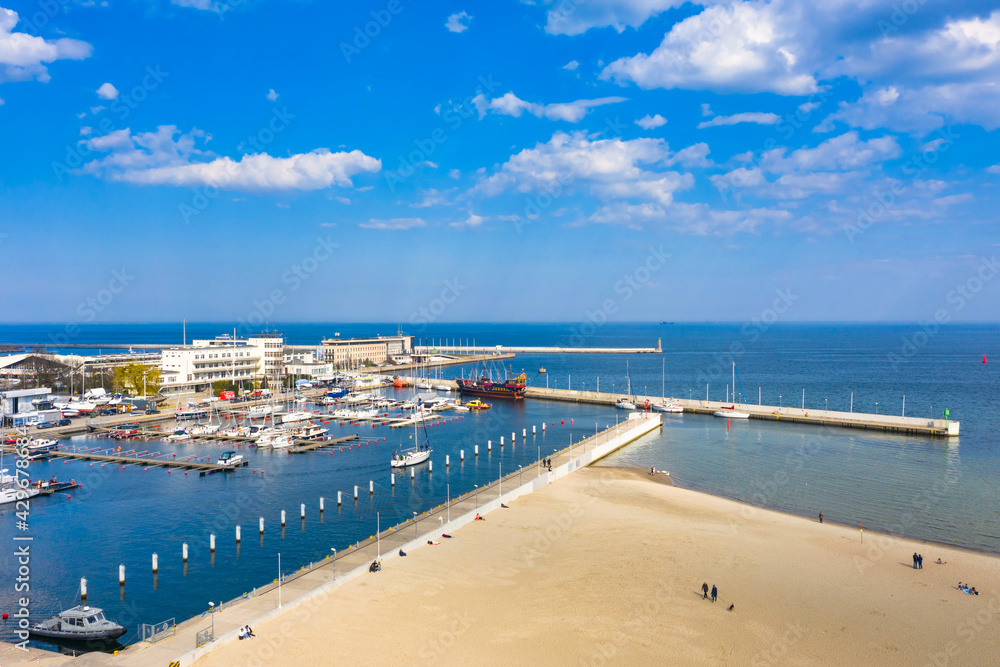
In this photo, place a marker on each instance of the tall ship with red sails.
(485, 386)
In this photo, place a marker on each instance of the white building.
(195, 367)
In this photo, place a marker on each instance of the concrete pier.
(888, 423)
(513, 349)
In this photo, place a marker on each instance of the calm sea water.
(935, 489)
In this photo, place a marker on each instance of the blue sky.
(517, 161)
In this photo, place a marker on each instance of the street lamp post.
(779, 400)
(334, 562)
(449, 502)
(477, 495)
(414, 525)
(211, 606)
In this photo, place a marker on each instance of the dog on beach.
(732, 606)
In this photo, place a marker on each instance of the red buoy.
(984, 358)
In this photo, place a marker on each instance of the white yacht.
(297, 416)
(231, 459)
(180, 435)
(411, 457)
(731, 413)
(623, 404)
(668, 406)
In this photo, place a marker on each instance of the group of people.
(246, 632)
(547, 463)
(918, 561)
(968, 590)
(704, 592)
(375, 566)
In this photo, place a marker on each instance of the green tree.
(132, 378)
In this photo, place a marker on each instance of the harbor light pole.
(449, 502)
(779, 400)
(211, 607)
(334, 550)
(279, 580)
(415, 525)
(378, 535)
(477, 495)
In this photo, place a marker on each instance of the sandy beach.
(606, 567)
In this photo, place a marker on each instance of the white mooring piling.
(238, 537)
(524, 433)
(340, 498)
(489, 445)
(476, 450)
(533, 432)
(543, 427)
(447, 461)
(156, 563)
(392, 478)
(262, 525)
(121, 574)
(461, 455)
(282, 518)
(321, 504)
(413, 473)
(355, 491)
(83, 592)
(184, 552)
(513, 437)
(211, 543)
(430, 466)
(371, 487)
(302, 511)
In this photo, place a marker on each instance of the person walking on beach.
(914, 560)
(715, 592)
(821, 517)
(704, 591)
(920, 561)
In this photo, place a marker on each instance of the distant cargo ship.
(511, 388)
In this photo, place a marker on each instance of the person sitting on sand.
(941, 562)
(973, 591)
(402, 553)
(243, 632)
(250, 632)
(479, 518)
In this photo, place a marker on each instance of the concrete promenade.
(890, 423)
(307, 584)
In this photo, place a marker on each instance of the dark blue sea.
(942, 490)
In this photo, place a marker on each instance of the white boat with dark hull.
(623, 404)
(80, 623)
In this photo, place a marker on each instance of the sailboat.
(731, 412)
(411, 457)
(670, 406)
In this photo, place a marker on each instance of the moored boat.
(231, 459)
(511, 388)
(476, 404)
(731, 413)
(623, 404)
(81, 623)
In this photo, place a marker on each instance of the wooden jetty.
(302, 446)
(202, 468)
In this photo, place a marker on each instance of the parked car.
(151, 411)
(46, 425)
(107, 412)
(63, 422)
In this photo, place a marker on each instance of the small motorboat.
(180, 435)
(230, 459)
(731, 413)
(81, 623)
(622, 404)
(442, 387)
(669, 406)
(476, 404)
(542, 371)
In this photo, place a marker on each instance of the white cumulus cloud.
(648, 122)
(23, 57)
(107, 92)
(158, 158)
(511, 105)
(746, 117)
(455, 22)
(578, 16)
